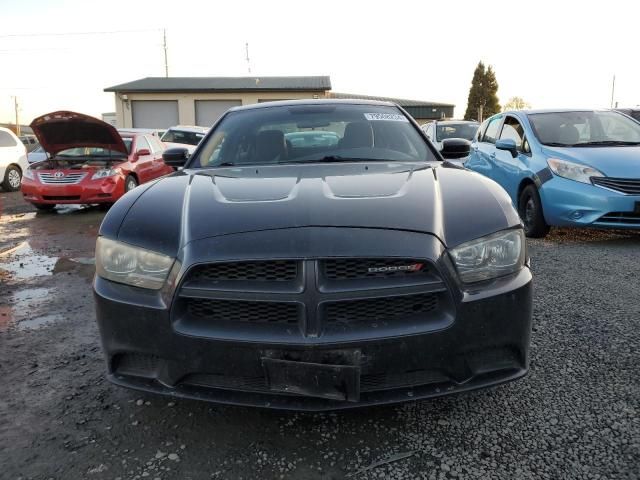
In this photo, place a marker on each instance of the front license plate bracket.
(334, 382)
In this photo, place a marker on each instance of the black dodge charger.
(314, 255)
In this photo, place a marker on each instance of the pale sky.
(551, 53)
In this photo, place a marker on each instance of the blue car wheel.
(530, 210)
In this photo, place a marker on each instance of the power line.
(68, 34)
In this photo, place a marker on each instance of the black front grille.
(380, 309)
(136, 364)
(243, 311)
(61, 197)
(630, 186)
(621, 218)
(262, 271)
(368, 382)
(354, 268)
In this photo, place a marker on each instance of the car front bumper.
(569, 203)
(88, 191)
(481, 340)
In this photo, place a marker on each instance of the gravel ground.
(575, 416)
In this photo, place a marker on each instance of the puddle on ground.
(37, 322)
(25, 263)
(24, 309)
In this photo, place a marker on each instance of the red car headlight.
(104, 173)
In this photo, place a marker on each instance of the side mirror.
(509, 145)
(175, 157)
(143, 152)
(453, 148)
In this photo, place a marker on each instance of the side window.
(491, 133)
(7, 140)
(481, 129)
(142, 144)
(512, 130)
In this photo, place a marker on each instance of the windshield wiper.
(557, 144)
(327, 158)
(605, 143)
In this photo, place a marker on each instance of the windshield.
(456, 130)
(312, 133)
(180, 136)
(589, 128)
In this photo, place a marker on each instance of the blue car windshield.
(307, 133)
(585, 128)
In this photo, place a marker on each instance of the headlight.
(104, 173)
(28, 173)
(490, 257)
(573, 171)
(135, 266)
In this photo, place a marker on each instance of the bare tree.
(516, 103)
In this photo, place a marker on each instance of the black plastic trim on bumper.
(310, 404)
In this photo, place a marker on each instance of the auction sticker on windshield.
(393, 117)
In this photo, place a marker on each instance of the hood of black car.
(58, 131)
(453, 204)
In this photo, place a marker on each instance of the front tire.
(12, 179)
(530, 210)
(130, 183)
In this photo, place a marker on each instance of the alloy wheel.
(14, 179)
(529, 212)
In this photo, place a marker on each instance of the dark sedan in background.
(326, 270)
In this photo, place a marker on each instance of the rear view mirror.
(143, 152)
(509, 145)
(175, 157)
(453, 148)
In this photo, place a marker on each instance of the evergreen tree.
(483, 92)
(491, 104)
(475, 93)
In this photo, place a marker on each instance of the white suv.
(184, 136)
(13, 160)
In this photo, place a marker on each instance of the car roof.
(140, 130)
(189, 128)
(556, 110)
(8, 130)
(321, 101)
(454, 122)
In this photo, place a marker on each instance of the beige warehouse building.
(160, 102)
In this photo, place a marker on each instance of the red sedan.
(90, 161)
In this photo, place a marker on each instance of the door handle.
(493, 155)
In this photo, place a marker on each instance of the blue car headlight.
(573, 171)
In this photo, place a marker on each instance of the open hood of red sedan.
(62, 130)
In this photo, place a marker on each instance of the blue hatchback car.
(576, 168)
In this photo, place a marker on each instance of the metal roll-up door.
(208, 111)
(154, 113)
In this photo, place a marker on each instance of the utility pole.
(164, 46)
(15, 104)
(613, 89)
(246, 46)
(480, 114)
